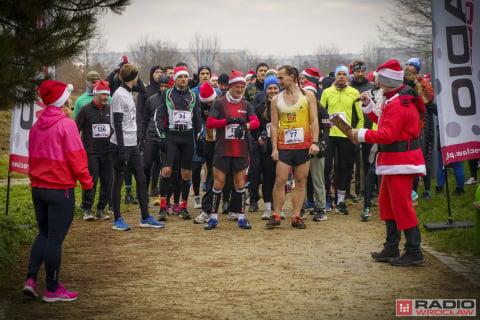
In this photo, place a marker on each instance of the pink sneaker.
(60, 295)
(30, 288)
(176, 208)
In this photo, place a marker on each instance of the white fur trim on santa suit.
(401, 169)
(391, 74)
(361, 135)
(368, 108)
(61, 101)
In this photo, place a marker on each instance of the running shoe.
(153, 192)
(211, 224)
(266, 214)
(176, 208)
(341, 208)
(472, 180)
(101, 215)
(201, 218)
(184, 214)
(30, 288)
(120, 225)
(414, 195)
(61, 294)
(282, 214)
(232, 216)
(157, 202)
(309, 205)
(365, 215)
(320, 215)
(150, 222)
(427, 195)
(243, 224)
(328, 206)
(297, 222)
(274, 222)
(163, 214)
(87, 215)
(225, 207)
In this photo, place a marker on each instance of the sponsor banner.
(436, 307)
(23, 118)
(456, 50)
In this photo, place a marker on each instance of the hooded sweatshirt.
(57, 158)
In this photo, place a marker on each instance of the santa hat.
(207, 93)
(236, 77)
(271, 72)
(171, 82)
(214, 77)
(101, 86)
(250, 74)
(390, 74)
(124, 59)
(54, 93)
(427, 77)
(179, 71)
(307, 85)
(312, 73)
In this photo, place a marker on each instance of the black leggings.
(196, 176)
(269, 173)
(151, 153)
(54, 209)
(99, 166)
(135, 163)
(344, 149)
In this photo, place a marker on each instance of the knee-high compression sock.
(217, 195)
(241, 203)
(185, 189)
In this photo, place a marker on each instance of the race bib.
(268, 129)
(230, 131)
(291, 136)
(182, 117)
(100, 130)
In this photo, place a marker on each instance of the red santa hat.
(311, 72)
(171, 82)
(214, 77)
(207, 93)
(391, 70)
(236, 77)
(250, 74)
(101, 86)
(307, 85)
(179, 71)
(54, 93)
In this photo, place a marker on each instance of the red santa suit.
(400, 158)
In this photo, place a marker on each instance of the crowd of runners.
(262, 133)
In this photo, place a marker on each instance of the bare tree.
(205, 49)
(147, 53)
(328, 58)
(374, 55)
(409, 26)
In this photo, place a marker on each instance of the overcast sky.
(264, 27)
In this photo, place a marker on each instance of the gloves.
(240, 131)
(163, 145)
(236, 120)
(322, 147)
(201, 147)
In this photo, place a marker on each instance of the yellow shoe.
(157, 202)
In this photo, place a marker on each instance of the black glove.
(236, 120)
(162, 143)
(240, 131)
(201, 147)
(322, 147)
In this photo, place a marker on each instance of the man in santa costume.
(400, 159)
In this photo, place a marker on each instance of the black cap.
(223, 78)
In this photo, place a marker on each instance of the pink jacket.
(57, 158)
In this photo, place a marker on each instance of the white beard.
(379, 99)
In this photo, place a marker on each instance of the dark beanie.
(204, 67)
(223, 78)
(164, 78)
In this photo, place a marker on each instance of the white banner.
(456, 50)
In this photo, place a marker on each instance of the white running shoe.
(472, 180)
(232, 216)
(266, 214)
(197, 202)
(201, 218)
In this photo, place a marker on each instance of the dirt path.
(184, 272)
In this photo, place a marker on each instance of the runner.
(231, 116)
(178, 114)
(292, 142)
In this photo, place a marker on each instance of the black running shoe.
(163, 214)
(298, 223)
(184, 214)
(274, 222)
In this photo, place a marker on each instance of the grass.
(456, 240)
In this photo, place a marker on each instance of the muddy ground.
(184, 272)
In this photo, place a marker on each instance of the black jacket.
(149, 130)
(90, 115)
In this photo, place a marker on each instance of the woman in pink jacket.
(57, 160)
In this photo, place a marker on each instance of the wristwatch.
(316, 142)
